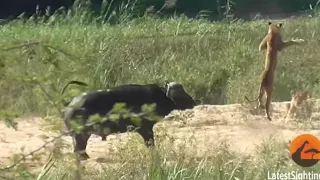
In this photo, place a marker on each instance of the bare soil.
(196, 132)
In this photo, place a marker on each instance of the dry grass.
(202, 139)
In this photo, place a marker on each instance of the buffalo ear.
(166, 84)
(166, 87)
(197, 102)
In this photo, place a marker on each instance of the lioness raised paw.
(297, 40)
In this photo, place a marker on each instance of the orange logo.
(305, 150)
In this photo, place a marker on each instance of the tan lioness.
(274, 44)
(297, 99)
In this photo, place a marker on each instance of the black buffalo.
(134, 96)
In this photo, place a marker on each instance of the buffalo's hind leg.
(80, 145)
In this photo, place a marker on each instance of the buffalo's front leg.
(146, 131)
(147, 136)
(80, 144)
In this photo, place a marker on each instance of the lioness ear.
(280, 24)
(292, 93)
(308, 94)
(269, 23)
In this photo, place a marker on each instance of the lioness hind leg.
(260, 100)
(268, 103)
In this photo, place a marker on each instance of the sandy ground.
(201, 128)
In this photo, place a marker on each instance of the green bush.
(213, 9)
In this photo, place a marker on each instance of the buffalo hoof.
(83, 156)
(149, 144)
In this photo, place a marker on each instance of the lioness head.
(299, 97)
(275, 28)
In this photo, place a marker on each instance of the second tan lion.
(297, 99)
(274, 44)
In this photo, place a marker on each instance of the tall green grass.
(218, 62)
